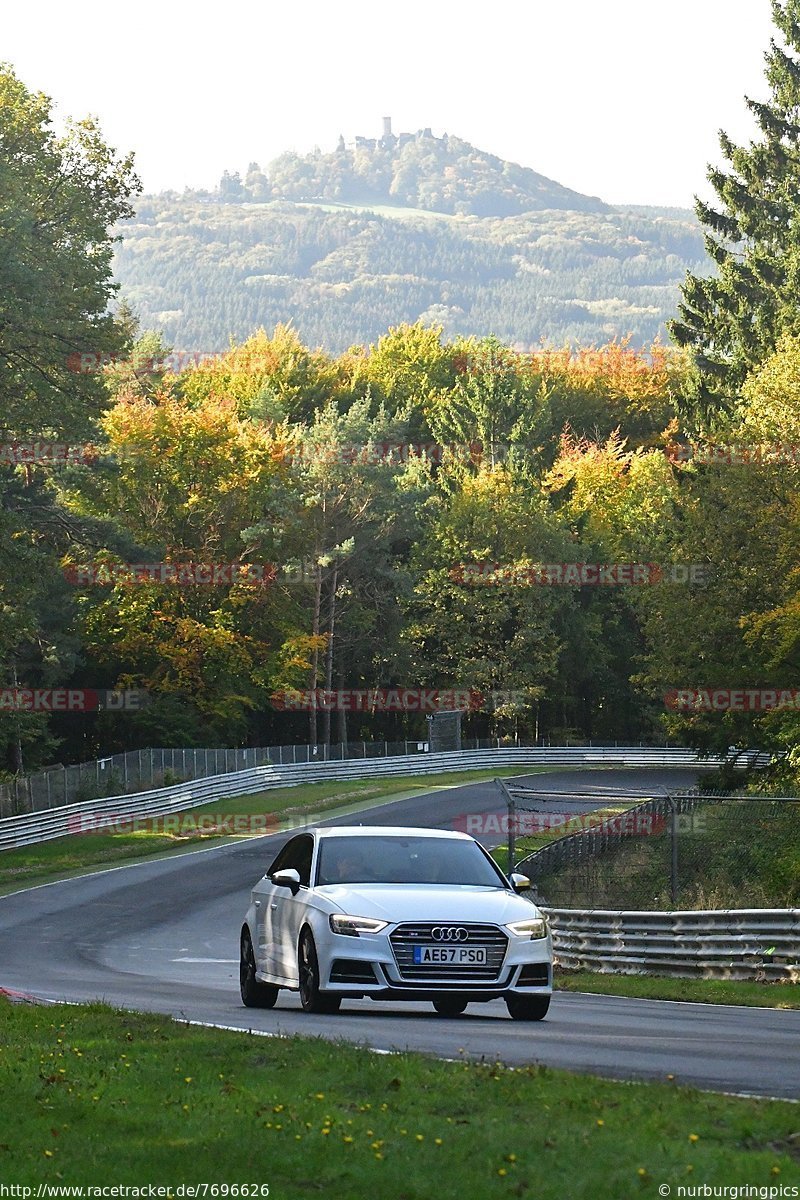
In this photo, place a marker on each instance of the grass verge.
(561, 826)
(97, 1097)
(730, 854)
(660, 987)
(69, 855)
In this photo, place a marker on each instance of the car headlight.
(535, 928)
(353, 926)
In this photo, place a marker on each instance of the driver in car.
(349, 867)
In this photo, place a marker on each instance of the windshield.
(413, 860)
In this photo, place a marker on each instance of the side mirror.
(287, 878)
(520, 883)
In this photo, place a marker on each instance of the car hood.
(405, 902)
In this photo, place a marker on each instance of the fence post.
(511, 815)
(673, 871)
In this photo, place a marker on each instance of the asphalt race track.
(163, 936)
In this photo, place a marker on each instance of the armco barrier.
(756, 944)
(29, 828)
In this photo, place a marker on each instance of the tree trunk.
(16, 748)
(312, 681)
(341, 720)
(326, 716)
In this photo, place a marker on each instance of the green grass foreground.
(68, 855)
(660, 987)
(95, 1096)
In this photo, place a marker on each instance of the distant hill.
(414, 170)
(396, 229)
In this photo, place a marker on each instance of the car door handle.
(273, 907)
(257, 903)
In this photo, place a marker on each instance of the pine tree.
(733, 319)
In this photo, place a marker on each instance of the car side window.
(297, 855)
(302, 863)
(280, 860)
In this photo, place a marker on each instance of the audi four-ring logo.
(449, 933)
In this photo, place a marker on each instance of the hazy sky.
(617, 98)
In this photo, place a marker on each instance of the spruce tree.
(733, 319)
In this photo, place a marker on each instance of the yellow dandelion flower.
(502, 1171)
(437, 1142)
(693, 1137)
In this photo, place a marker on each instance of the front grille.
(406, 937)
(534, 975)
(352, 970)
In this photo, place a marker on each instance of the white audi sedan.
(394, 914)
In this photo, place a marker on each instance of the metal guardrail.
(755, 944)
(150, 768)
(30, 828)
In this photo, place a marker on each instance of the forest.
(202, 272)
(595, 541)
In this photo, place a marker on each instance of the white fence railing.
(29, 828)
(756, 944)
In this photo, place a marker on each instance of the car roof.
(392, 831)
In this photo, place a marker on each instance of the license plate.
(463, 956)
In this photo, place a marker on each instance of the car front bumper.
(368, 965)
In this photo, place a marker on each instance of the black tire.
(450, 1006)
(527, 1008)
(311, 998)
(254, 994)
